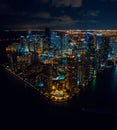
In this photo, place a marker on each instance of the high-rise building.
(47, 76)
(98, 40)
(72, 71)
(90, 59)
(90, 41)
(10, 54)
(104, 49)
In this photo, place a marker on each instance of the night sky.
(58, 14)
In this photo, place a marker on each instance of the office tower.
(47, 76)
(104, 49)
(90, 63)
(113, 46)
(10, 54)
(65, 41)
(53, 37)
(90, 41)
(82, 68)
(98, 40)
(72, 71)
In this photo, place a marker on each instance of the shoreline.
(45, 96)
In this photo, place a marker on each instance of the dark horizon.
(62, 14)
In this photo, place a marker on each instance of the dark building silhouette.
(72, 71)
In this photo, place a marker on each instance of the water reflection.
(93, 85)
(114, 84)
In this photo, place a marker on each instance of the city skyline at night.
(59, 63)
(73, 72)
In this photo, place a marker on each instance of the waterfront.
(94, 107)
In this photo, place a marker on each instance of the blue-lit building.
(98, 40)
(87, 39)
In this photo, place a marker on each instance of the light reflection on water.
(115, 74)
(94, 84)
(114, 82)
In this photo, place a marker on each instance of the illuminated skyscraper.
(10, 51)
(98, 40)
(82, 68)
(90, 41)
(72, 71)
(104, 49)
(90, 62)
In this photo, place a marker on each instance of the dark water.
(23, 108)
